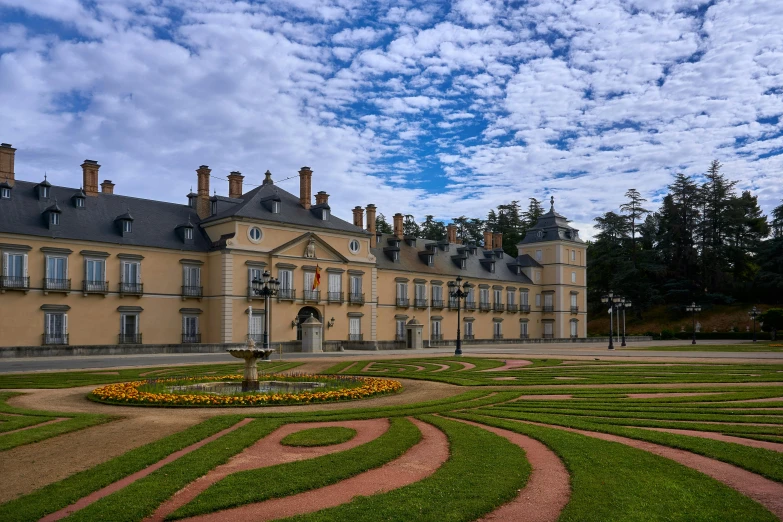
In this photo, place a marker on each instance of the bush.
(667, 334)
(740, 336)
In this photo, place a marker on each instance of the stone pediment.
(309, 246)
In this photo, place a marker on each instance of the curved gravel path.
(510, 364)
(547, 490)
(419, 462)
(269, 452)
(753, 443)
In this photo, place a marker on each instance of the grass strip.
(142, 498)
(758, 460)
(482, 472)
(283, 480)
(326, 436)
(37, 434)
(61, 494)
(611, 481)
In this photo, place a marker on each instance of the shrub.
(667, 334)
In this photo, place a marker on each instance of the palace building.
(88, 267)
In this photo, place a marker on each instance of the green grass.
(470, 484)
(758, 347)
(327, 436)
(288, 479)
(610, 481)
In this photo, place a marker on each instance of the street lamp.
(694, 309)
(753, 314)
(626, 304)
(266, 287)
(613, 301)
(458, 290)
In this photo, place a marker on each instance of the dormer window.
(395, 255)
(275, 207)
(78, 202)
(125, 223)
(214, 208)
(44, 192)
(127, 226)
(5, 193)
(430, 260)
(462, 264)
(43, 189)
(188, 233)
(54, 218)
(325, 214)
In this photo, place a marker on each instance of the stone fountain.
(251, 355)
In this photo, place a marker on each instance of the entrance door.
(304, 315)
(257, 328)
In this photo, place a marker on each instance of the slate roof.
(154, 222)
(249, 206)
(551, 227)
(444, 266)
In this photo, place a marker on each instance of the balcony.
(312, 296)
(399, 337)
(14, 283)
(54, 339)
(574, 309)
(130, 338)
(131, 289)
(436, 337)
(470, 305)
(95, 287)
(437, 303)
(497, 337)
(403, 302)
(525, 308)
(420, 303)
(548, 308)
(512, 308)
(548, 336)
(484, 307)
(196, 292)
(190, 338)
(334, 297)
(498, 307)
(356, 299)
(468, 337)
(454, 305)
(355, 337)
(524, 336)
(251, 294)
(286, 294)
(56, 285)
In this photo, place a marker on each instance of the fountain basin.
(233, 388)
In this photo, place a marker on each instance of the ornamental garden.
(436, 438)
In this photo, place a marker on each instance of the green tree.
(533, 212)
(433, 230)
(410, 227)
(634, 212)
(382, 226)
(772, 321)
(777, 221)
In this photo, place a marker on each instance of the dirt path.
(419, 462)
(546, 492)
(753, 443)
(510, 364)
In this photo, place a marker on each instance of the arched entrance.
(304, 315)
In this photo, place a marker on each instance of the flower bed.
(341, 388)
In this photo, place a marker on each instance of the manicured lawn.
(746, 347)
(327, 436)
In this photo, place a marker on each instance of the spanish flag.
(317, 278)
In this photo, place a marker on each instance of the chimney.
(451, 233)
(497, 240)
(322, 198)
(371, 224)
(305, 187)
(90, 177)
(107, 187)
(487, 240)
(398, 225)
(358, 217)
(7, 153)
(202, 200)
(235, 184)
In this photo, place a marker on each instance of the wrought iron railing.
(468, 337)
(470, 305)
(548, 336)
(498, 307)
(334, 297)
(14, 283)
(524, 336)
(548, 308)
(512, 308)
(498, 336)
(403, 302)
(95, 287)
(312, 295)
(437, 303)
(355, 337)
(420, 303)
(399, 337)
(454, 305)
(525, 308)
(286, 294)
(191, 338)
(192, 291)
(57, 285)
(131, 288)
(484, 307)
(356, 298)
(436, 337)
(574, 309)
(55, 339)
(130, 338)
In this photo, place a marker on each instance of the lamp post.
(626, 304)
(753, 314)
(458, 291)
(694, 309)
(614, 301)
(266, 287)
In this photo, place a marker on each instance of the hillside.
(718, 317)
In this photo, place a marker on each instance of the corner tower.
(562, 279)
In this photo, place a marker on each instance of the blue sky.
(444, 108)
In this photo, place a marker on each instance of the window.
(549, 330)
(355, 328)
(129, 328)
(498, 296)
(468, 328)
(56, 328)
(95, 274)
(356, 286)
(548, 301)
(5, 193)
(573, 255)
(574, 324)
(538, 275)
(14, 270)
(354, 246)
(484, 295)
(309, 279)
(325, 215)
(523, 331)
(497, 330)
(510, 297)
(437, 333)
(471, 298)
(190, 333)
(257, 326)
(420, 295)
(131, 272)
(44, 192)
(573, 277)
(335, 287)
(56, 271)
(254, 233)
(437, 295)
(214, 208)
(191, 281)
(538, 300)
(574, 302)
(55, 218)
(539, 255)
(188, 233)
(400, 330)
(127, 225)
(252, 275)
(79, 202)
(286, 279)
(275, 207)
(524, 297)
(402, 290)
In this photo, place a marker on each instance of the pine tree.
(777, 221)
(634, 213)
(533, 212)
(433, 230)
(410, 227)
(382, 226)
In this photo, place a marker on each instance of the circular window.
(354, 246)
(255, 235)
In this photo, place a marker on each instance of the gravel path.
(419, 462)
(510, 364)
(753, 443)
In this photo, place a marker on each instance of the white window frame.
(573, 277)
(498, 296)
(437, 327)
(484, 296)
(549, 328)
(55, 218)
(123, 323)
(437, 293)
(549, 299)
(574, 329)
(468, 327)
(335, 282)
(355, 325)
(257, 325)
(47, 268)
(539, 255)
(124, 265)
(420, 291)
(497, 328)
(191, 275)
(91, 278)
(188, 233)
(250, 232)
(286, 277)
(49, 321)
(524, 298)
(5, 193)
(127, 225)
(190, 332)
(574, 300)
(399, 328)
(354, 246)
(511, 297)
(356, 285)
(524, 330)
(573, 255)
(402, 290)
(252, 273)
(308, 281)
(45, 192)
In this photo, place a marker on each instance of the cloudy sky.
(425, 108)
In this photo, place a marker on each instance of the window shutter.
(138, 273)
(198, 276)
(5, 263)
(65, 324)
(47, 262)
(25, 266)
